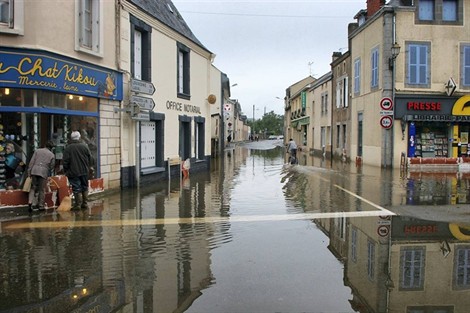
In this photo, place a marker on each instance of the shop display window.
(431, 143)
(24, 130)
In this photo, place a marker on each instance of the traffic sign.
(143, 102)
(450, 86)
(141, 86)
(386, 121)
(386, 104)
(383, 230)
(382, 113)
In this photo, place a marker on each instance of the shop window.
(418, 65)
(183, 72)
(89, 36)
(141, 53)
(465, 63)
(12, 16)
(374, 62)
(357, 76)
(29, 118)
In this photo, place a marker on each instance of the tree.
(270, 124)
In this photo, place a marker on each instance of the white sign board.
(141, 86)
(143, 102)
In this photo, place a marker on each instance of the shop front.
(437, 126)
(45, 96)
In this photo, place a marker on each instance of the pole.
(253, 130)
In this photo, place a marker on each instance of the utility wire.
(264, 15)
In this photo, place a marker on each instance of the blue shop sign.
(23, 68)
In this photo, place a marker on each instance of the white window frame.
(345, 92)
(357, 76)
(96, 29)
(15, 24)
(137, 54)
(374, 65)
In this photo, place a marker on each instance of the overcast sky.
(264, 46)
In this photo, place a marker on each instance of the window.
(412, 268)
(337, 135)
(354, 244)
(418, 64)
(374, 82)
(465, 61)
(462, 268)
(141, 46)
(370, 259)
(342, 93)
(439, 12)
(89, 29)
(449, 10)
(357, 76)
(183, 72)
(12, 16)
(426, 10)
(199, 137)
(6, 12)
(344, 136)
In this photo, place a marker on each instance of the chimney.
(373, 6)
(336, 55)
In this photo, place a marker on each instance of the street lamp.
(395, 52)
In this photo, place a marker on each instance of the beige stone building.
(319, 96)
(411, 87)
(54, 80)
(296, 116)
(157, 48)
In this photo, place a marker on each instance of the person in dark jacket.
(77, 163)
(39, 169)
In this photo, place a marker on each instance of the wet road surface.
(253, 235)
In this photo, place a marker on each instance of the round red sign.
(386, 104)
(386, 121)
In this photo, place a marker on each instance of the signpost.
(141, 106)
(143, 102)
(141, 86)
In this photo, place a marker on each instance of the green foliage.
(271, 123)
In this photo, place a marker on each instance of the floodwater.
(253, 235)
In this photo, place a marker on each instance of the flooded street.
(253, 235)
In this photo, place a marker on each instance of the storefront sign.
(182, 107)
(35, 69)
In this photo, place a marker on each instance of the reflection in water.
(222, 242)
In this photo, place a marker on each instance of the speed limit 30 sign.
(386, 121)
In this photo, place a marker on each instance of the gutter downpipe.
(389, 279)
